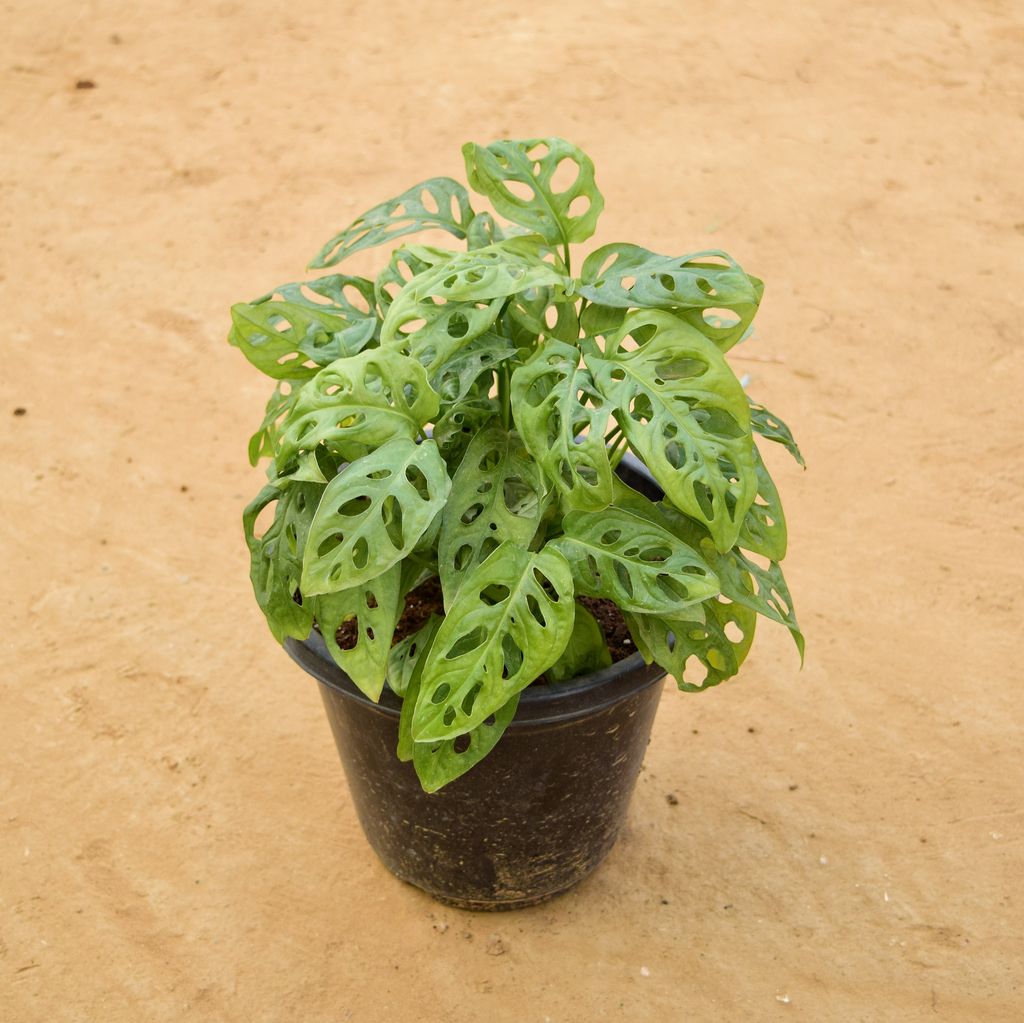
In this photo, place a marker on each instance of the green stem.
(621, 447)
(565, 256)
(504, 402)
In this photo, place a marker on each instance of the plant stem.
(565, 256)
(621, 447)
(504, 402)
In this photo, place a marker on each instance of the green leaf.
(263, 443)
(413, 666)
(471, 370)
(376, 606)
(562, 418)
(586, 652)
(449, 305)
(436, 203)
(405, 264)
(460, 424)
(640, 566)
(764, 527)
(682, 410)
(671, 642)
(559, 215)
(276, 556)
(372, 515)
(510, 621)
(769, 426)
(623, 276)
(359, 403)
(497, 494)
(484, 230)
(407, 653)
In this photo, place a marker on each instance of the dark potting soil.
(427, 599)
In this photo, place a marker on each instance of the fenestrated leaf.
(460, 424)
(511, 621)
(341, 294)
(630, 560)
(473, 366)
(405, 655)
(405, 264)
(276, 556)
(412, 666)
(372, 514)
(484, 230)
(263, 443)
(375, 605)
(435, 203)
(562, 418)
(497, 494)
(623, 276)
(560, 215)
(682, 410)
(586, 651)
(671, 642)
(769, 426)
(447, 306)
(359, 403)
(764, 526)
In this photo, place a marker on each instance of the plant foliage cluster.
(462, 417)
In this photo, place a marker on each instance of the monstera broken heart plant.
(529, 441)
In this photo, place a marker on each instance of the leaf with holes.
(769, 426)
(484, 230)
(586, 651)
(406, 654)
(682, 410)
(471, 370)
(460, 424)
(372, 515)
(562, 418)
(438, 203)
(633, 562)
(523, 181)
(413, 667)
(621, 276)
(405, 264)
(356, 404)
(764, 528)
(375, 605)
(497, 494)
(510, 621)
(263, 443)
(276, 556)
(446, 307)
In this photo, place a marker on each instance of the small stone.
(495, 946)
(85, 83)
(644, 972)
(19, 411)
(672, 799)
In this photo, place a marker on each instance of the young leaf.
(562, 418)
(682, 410)
(457, 427)
(276, 556)
(356, 404)
(484, 231)
(435, 203)
(769, 426)
(406, 654)
(510, 621)
(462, 374)
(497, 494)
(621, 276)
(405, 264)
(372, 514)
(412, 666)
(764, 527)
(586, 651)
(263, 443)
(376, 606)
(559, 216)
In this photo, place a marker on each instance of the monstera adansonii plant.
(462, 417)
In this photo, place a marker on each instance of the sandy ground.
(177, 840)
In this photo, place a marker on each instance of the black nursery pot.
(535, 816)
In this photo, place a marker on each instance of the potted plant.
(484, 465)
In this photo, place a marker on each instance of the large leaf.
(497, 494)
(372, 515)
(683, 412)
(623, 276)
(769, 426)
(276, 556)
(586, 651)
(376, 606)
(359, 403)
(633, 562)
(436, 203)
(562, 418)
(764, 527)
(447, 306)
(559, 214)
(511, 620)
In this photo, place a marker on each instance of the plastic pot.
(532, 819)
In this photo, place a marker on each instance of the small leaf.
(359, 403)
(622, 276)
(406, 654)
(484, 231)
(372, 515)
(561, 215)
(586, 652)
(510, 621)
(637, 564)
(497, 494)
(263, 443)
(460, 424)
(769, 426)
(471, 370)
(414, 667)
(376, 606)
(562, 418)
(405, 264)
(276, 556)
(764, 527)
(436, 203)
(682, 410)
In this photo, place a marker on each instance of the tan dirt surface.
(177, 839)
